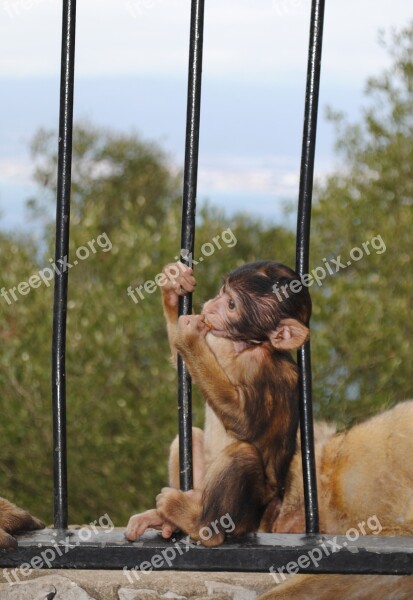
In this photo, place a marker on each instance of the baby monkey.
(238, 354)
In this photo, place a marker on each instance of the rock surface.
(119, 585)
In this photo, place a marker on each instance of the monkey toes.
(150, 519)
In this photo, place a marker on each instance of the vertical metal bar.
(302, 263)
(61, 255)
(188, 228)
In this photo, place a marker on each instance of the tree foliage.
(364, 330)
(121, 388)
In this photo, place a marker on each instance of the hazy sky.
(131, 65)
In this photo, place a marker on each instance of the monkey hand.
(13, 519)
(150, 519)
(190, 329)
(179, 282)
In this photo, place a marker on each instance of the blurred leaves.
(362, 342)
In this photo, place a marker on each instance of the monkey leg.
(152, 519)
(235, 490)
(233, 500)
(198, 460)
(198, 466)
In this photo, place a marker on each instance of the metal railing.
(254, 552)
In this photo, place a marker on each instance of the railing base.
(86, 548)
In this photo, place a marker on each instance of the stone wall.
(118, 585)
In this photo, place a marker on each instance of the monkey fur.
(364, 472)
(13, 519)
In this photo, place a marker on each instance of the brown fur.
(364, 472)
(13, 519)
(237, 352)
(343, 587)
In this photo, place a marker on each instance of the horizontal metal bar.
(253, 553)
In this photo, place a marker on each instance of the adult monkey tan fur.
(364, 472)
(343, 587)
(13, 519)
(238, 354)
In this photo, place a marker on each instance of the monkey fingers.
(13, 518)
(190, 329)
(180, 279)
(7, 542)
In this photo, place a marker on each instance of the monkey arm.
(170, 311)
(179, 281)
(224, 398)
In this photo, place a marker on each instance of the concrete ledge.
(116, 585)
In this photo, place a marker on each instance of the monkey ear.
(289, 335)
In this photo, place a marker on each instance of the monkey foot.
(150, 519)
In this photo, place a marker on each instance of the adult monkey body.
(365, 483)
(238, 354)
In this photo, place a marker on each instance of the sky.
(131, 74)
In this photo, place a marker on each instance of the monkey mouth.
(208, 324)
(212, 329)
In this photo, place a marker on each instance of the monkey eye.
(231, 304)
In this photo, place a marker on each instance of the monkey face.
(222, 313)
(247, 310)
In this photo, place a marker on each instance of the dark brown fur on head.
(256, 284)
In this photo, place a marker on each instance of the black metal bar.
(188, 228)
(61, 256)
(303, 248)
(265, 553)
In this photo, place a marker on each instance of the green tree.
(362, 316)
